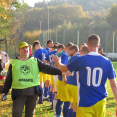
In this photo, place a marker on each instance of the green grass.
(44, 109)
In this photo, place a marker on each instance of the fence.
(108, 40)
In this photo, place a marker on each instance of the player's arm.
(59, 65)
(113, 85)
(47, 69)
(69, 67)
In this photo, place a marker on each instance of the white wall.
(111, 55)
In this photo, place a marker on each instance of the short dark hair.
(36, 43)
(84, 44)
(74, 47)
(49, 41)
(57, 43)
(100, 49)
(55, 46)
(61, 46)
(85, 50)
(94, 40)
(69, 44)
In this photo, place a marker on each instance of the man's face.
(100, 51)
(70, 52)
(50, 45)
(65, 49)
(24, 51)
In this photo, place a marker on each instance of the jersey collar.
(94, 53)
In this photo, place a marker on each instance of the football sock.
(74, 114)
(58, 107)
(66, 109)
(51, 96)
(45, 92)
(70, 112)
(54, 104)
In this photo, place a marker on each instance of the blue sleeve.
(111, 73)
(36, 54)
(47, 56)
(64, 59)
(73, 65)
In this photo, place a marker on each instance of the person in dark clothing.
(100, 51)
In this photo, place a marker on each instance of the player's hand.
(68, 73)
(56, 58)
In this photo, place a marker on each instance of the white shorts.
(55, 80)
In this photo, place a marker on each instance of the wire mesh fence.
(108, 40)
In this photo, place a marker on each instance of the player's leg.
(47, 84)
(52, 90)
(74, 92)
(55, 96)
(66, 109)
(71, 100)
(58, 108)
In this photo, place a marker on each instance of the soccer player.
(49, 59)
(72, 82)
(41, 54)
(84, 51)
(92, 72)
(62, 95)
(67, 46)
(47, 82)
(49, 44)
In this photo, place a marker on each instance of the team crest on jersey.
(25, 69)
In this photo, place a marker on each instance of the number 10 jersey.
(92, 72)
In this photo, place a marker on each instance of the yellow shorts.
(48, 77)
(97, 110)
(52, 80)
(73, 93)
(44, 77)
(62, 93)
(41, 76)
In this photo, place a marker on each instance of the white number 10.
(94, 76)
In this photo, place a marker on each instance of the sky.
(32, 2)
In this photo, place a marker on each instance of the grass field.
(44, 109)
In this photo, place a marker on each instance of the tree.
(112, 16)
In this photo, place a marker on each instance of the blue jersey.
(92, 72)
(49, 57)
(72, 79)
(64, 60)
(41, 54)
(48, 50)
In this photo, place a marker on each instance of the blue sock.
(45, 92)
(74, 114)
(49, 90)
(51, 96)
(66, 109)
(70, 112)
(58, 107)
